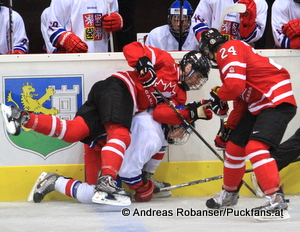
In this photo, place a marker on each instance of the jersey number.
(230, 50)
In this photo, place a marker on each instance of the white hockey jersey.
(84, 18)
(282, 13)
(20, 40)
(208, 15)
(161, 37)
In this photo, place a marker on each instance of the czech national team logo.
(59, 96)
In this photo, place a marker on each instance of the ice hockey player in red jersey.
(111, 105)
(263, 105)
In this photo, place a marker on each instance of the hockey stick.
(235, 8)
(195, 131)
(187, 123)
(180, 26)
(196, 182)
(110, 33)
(11, 27)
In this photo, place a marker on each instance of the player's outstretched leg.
(14, 118)
(107, 192)
(276, 205)
(157, 185)
(44, 184)
(223, 199)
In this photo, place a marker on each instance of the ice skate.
(14, 118)
(44, 184)
(258, 191)
(106, 192)
(276, 209)
(157, 186)
(223, 199)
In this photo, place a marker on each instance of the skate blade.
(163, 194)
(6, 112)
(284, 217)
(39, 179)
(117, 200)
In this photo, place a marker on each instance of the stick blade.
(234, 8)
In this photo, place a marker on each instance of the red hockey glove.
(16, 52)
(112, 22)
(222, 137)
(200, 110)
(219, 107)
(292, 28)
(248, 18)
(145, 192)
(295, 42)
(71, 42)
(145, 69)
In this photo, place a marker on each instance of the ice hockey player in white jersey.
(82, 26)
(167, 37)
(248, 26)
(285, 20)
(20, 40)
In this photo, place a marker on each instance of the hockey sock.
(264, 167)
(67, 187)
(234, 166)
(113, 151)
(68, 130)
(92, 163)
(154, 162)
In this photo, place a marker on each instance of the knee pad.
(234, 154)
(118, 131)
(257, 150)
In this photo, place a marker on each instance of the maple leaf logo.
(167, 89)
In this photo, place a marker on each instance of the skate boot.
(276, 207)
(256, 187)
(157, 185)
(44, 184)
(223, 199)
(14, 118)
(107, 192)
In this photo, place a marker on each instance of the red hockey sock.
(113, 151)
(234, 166)
(92, 163)
(68, 130)
(264, 167)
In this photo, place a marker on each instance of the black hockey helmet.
(209, 41)
(195, 68)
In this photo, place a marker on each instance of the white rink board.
(97, 66)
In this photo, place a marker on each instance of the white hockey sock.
(67, 187)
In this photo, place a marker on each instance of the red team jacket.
(167, 82)
(254, 82)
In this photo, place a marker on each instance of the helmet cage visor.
(194, 79)
(178, 134)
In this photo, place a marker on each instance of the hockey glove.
(222, 137)
(219, 107)
(145, 69)
(292, 28)
(248, 18)
(200, 110)
(145, 192)
(112, 22)
(71, 42)
(295, 42)
(16, 52)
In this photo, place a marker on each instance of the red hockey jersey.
(167, 82)
(253, 81)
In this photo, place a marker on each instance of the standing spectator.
(168, 37)
(285, 20)
(264, 104)
(81, 26)
(20, 40)
(248, 26)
